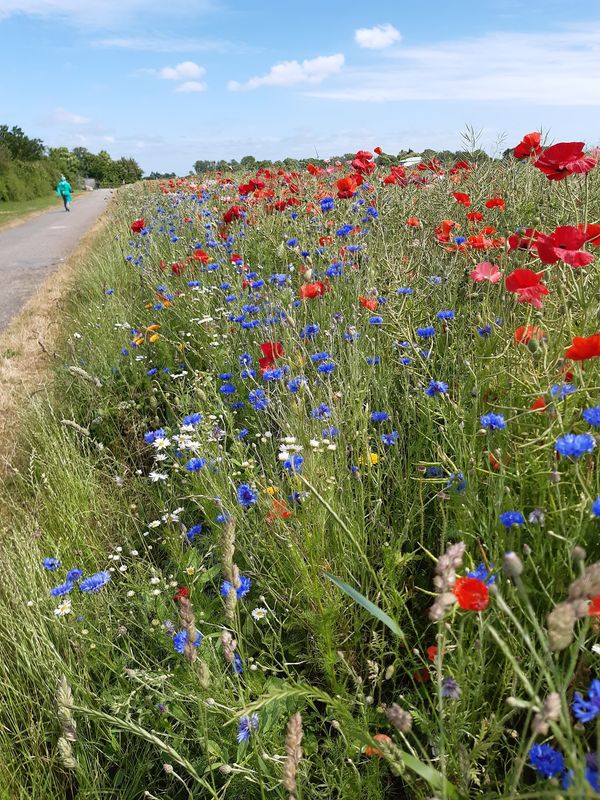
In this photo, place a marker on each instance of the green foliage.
(376, 516)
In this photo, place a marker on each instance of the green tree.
(20, 146)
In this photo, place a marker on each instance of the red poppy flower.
(563, 245)
(526, 334)
(314, 170)
(432, 652)
(474, 216)
(594, 606)
(592, 233)
(584, 347)
(378, 150)
(374, 751)
(524, 239)
(443, 230)
(539, 404)
(462, 198)
(414, 222)
(471, 594)
(369, 302)
(182, 591)
(137, 225)
(422, 675)
(200, 255)
(308, 291)
(564, 158)
(271, 351)
(235, 212)
(495, 202)
(528, 146)
(325, 240)
(527, 285)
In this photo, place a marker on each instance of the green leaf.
(434, 778)
(374, 610)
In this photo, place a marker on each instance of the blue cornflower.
(258, 399)
(592, 416)
(482, 573)
(327, 204)
(436, 387)
(344, 230)
(335, 270)
(195, 464)
(74, 575)
(246, 495)
(379, 416)
(310, 331)
(248, 373)
(575, 444)
(376, 320)
(484, 330)
(292, 242)
(459, 240)
(456, 482)
(434, 472)
(180, 640)
(510, 518)
(192, 532)
(192, 419)
(327, 368)
(372, 360)
(152, 372)
(237, 665)
(445, 315)
(109, 291)
(273, 374)
(227, 388)
(587, 710)
(241, 591)
(427, 332)
(321, 412)
(150, 436)
(51, 564)
(405, 290)
(493, 422)
(246, 359)
(294, 463)
(94, 583)
(562, 390)
(246, 726)
(389, 438)
(435, 280)
(243, 433)
(62, 589)
(330, 433)
(596, 507)
(546, 760)
(405, 361)
(225, 376)
(319, 357)
(296, 383)
(372, 212)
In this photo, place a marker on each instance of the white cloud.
(185, 71)
(191, 86)
(292, 73)
(378, 37)
(61, 116)
(553, 69)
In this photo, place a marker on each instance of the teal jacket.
(64, 189)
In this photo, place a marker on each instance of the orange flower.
(374, 751)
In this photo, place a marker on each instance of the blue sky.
(171, 82)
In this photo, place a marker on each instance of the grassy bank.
(269, 420)
(12, 211)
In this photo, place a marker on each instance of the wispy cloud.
(158, 44)
(183, 71)
(378, 37)
(101, 13)
(62, 117)
(188, 87)
(555, 69)
(294, 73)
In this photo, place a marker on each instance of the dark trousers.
(65, 200)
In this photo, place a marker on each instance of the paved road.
(30, 252)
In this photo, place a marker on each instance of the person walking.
(64, 190)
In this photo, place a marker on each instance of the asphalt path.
(31, 251)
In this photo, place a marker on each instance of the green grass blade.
(374, 610)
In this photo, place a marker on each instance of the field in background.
(12, 211)
(279, 400)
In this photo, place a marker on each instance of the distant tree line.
(29, 169)
(250, 163)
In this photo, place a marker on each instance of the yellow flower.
(374, 458)
(271, 490)
(154, 338)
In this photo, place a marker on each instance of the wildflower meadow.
(310, 508)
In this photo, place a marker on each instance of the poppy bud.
(533, 345)
(578, 554)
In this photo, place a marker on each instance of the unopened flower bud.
(512, 564)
